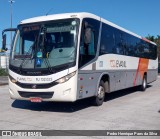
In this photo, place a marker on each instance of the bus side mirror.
(87, 36)
(4, 38)
(4, 43)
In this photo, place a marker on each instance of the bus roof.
(60, 16)
(78, 15)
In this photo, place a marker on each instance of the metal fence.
(4, 62)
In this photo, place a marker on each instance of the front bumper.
(66, 92)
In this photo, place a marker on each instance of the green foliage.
(3, 72)
(151, 38)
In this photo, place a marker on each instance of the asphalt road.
(127, 109)
(3, 80)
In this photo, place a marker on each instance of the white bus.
(72, 56)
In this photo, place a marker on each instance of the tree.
(151, 38)
(157, 41)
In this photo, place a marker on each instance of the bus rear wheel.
(144, 83)
(98, 101)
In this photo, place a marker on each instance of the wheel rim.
(101, 92)
(144, 83)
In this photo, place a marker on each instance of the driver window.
(89, 40)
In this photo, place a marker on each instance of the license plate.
(35, 99)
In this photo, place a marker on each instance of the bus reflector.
(91, 78)
(80, 78)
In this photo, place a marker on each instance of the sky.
(139, 16)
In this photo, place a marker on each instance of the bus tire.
(144, 83)
(98, 101)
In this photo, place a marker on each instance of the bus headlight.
(12, 79)
(65, 78)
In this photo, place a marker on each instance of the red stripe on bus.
(146, 40)
(137, 72)
(142, 68)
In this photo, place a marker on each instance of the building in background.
(4, 60)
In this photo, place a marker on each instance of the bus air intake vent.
(45, 95)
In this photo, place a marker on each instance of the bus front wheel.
(100, 95)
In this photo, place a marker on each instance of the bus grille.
(36, 86)
(45, 95)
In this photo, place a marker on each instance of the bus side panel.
(121, 79)
(117, 80)
(123, 71)
(112, 81)
(87, 83)
(130, 74)
(152, 75)
(152, 70)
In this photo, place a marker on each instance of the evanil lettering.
(117, 63)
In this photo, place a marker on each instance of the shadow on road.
(121, 93)
(69, 107)
(52, 106)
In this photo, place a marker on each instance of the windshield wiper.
(47, 63)
(50, 69)
(24, 60)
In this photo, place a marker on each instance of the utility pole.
(11, 2)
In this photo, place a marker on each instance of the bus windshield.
(45, 45)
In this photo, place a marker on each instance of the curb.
(1, 84)
(3, 80)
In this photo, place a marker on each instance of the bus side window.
(107, 44)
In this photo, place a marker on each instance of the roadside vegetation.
(3, 72)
